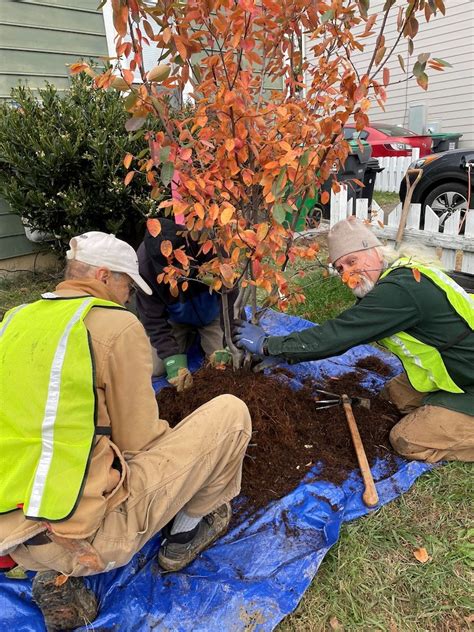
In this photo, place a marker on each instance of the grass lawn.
(370, 580)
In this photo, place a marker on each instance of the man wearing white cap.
(89, 472)
(418, 313)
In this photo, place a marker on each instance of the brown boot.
(65, 607)
(174, 554)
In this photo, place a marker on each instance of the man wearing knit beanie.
(418, 313)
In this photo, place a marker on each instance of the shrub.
(61, 162)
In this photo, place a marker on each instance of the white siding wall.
(450, 96)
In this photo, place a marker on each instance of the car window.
(350, 133)
(393, 130)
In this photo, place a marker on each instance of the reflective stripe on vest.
(422, 362)
(47, 417)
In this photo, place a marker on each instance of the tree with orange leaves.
(273, 84)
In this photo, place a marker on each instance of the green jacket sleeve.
(386, 310)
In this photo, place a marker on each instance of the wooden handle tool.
(406, 203)
(370, 496)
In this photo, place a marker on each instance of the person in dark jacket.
(418, 313)
(172, 323)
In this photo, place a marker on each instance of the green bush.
(61, 162)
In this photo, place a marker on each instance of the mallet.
(370, 496)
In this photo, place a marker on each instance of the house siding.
(37, 41)
(449, 100)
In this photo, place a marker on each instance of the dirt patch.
(372, 363)
(290, 435)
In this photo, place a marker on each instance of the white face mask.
(364, 286)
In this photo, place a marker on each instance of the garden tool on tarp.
(370, 496)
(406, 204)
(325, 399)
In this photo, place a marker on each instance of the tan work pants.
(428, 433)
(211, 338)
(196, 466)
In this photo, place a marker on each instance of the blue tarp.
(258, 572)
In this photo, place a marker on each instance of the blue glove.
(249, 337)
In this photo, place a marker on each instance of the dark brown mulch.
(372, 363)
(289, 434)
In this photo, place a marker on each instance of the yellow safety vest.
(422, 362)
(47, 406)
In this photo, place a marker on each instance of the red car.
(391, 140)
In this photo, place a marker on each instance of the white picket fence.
(390, 178)
(455, 248)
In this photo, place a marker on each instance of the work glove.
(220, 359)
(249, 337)
(177, 372)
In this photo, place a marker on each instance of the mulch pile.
(289, 434)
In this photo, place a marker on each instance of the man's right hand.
(249, 337)
(177, 372)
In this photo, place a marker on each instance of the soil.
(372, 363)
(290, 435)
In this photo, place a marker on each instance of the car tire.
(445, 199)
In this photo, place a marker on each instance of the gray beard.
(364, 287)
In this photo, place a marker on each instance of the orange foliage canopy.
(273, 85)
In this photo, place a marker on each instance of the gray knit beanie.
(350, 235)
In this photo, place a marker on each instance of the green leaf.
(326, 16)
(164, 154)
(279, 211)
(442, 62)
(278, 183)
(167, 171)
(401, 62)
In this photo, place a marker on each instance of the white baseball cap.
(101, 249)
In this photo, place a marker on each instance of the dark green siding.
(37, 41)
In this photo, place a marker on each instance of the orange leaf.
(206, 246)
(166, 248)
(386, 76)
(416, 274)
(186, 153)
(421, 555)
(230, 144)
(153, 226)
(226, 215)
(325, 197)
(181, 256)
(129, 177)
(127, 161)
(60, 580)
(184, 286)
(226, 272)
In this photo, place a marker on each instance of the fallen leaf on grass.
(421, 555)
(334, 624)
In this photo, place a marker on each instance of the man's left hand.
(182, 381)
(250, 337)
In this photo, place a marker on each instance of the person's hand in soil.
(220, 359)
(250, 337)
(177, 372)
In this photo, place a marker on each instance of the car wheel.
(446, 199)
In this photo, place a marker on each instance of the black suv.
(444, 183)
